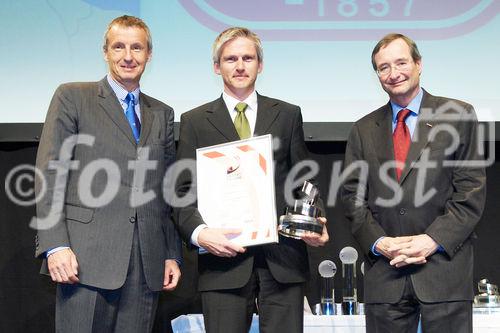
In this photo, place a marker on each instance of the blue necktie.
(132, 118)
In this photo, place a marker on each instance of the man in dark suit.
(232, 277)
(103, 225)
(414, 194)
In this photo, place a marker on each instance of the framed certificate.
(235, 184)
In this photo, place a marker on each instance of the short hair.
(128, 21)
(387, 39)
(233, 33)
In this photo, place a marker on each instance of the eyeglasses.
(386, 69)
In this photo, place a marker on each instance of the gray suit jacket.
(448, 216)
(100, 232)
(211, 124)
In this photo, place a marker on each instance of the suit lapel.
(420, 138)
(219, 117)
(266, 114)
(146, 118)
(384, 134)
(111, 106)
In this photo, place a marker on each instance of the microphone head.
(348, 255)
(327, 269)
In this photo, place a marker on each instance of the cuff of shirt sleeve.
(56, 249)
(196, 232)
(374, 247)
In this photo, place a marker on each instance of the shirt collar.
(231, 102)
(121, 92)
(414, 106)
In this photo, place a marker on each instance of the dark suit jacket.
(449, 216)
(101, 234)
(211, 124)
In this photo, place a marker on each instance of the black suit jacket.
(448, 215)
(211, 124)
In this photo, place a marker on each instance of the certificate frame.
(235, 188)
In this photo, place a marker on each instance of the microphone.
(348, 255)
(327, 270)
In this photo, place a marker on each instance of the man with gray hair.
(110, 254)
(232, 277)
(415, 209)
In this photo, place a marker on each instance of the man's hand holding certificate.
(217, 241)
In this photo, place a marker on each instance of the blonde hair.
(232, 33)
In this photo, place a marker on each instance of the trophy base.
(487, 301)
(327, 309)
(296, 226)
(349, 307)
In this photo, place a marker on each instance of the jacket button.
(402, 211)
(132, 219)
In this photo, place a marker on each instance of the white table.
(483, 322)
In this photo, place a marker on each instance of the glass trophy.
(327, 270)
(348, 255)
(488, 296)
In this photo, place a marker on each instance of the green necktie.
(241, 122)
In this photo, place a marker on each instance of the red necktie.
(401, 139)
